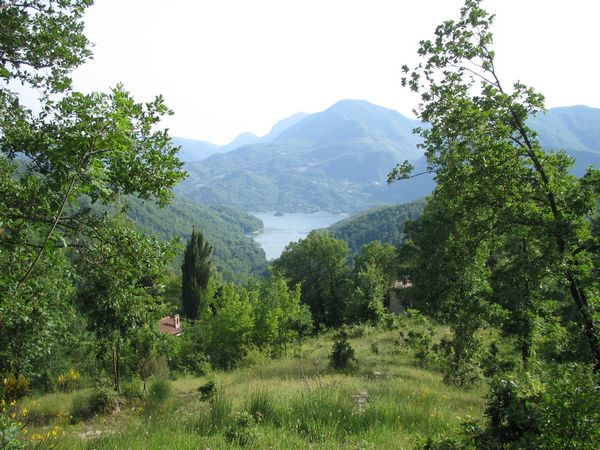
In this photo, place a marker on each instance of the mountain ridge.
(338, 159)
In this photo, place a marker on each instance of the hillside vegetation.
(382, 223)
(236, 255)
(384, 400)
(494, 282)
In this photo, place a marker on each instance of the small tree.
(120, 288)
(367, 301)
(342, 353)
(195, 273)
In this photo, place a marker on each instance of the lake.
(281, 230)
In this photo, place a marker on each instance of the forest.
(497, 275)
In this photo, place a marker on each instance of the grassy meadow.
(384, 401)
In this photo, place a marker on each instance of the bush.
(375, 349)
(560, 409)
(132, 389)
(494, 363)
(68, 381)
(160, 389)
(420, 343)
(101, 400)
(207, 391)
(13, 388)
(10, 431)
(241, 432)
(342, 354)
(198, 364)
(460, 360)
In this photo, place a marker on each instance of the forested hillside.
(490, 341)
(382, 223)
(236, 255)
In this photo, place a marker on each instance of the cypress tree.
(195, 273)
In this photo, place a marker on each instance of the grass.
(384, 401)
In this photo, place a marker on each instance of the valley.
(351, 279)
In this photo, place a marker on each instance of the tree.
(489, 166)
(227, 335)
(367, 302)
(319, 263)
(98, 145)
(195, 273)
(281, 318)
(121, 274)
(450, 281)
(383, 256)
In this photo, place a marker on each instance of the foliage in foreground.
(558, 408)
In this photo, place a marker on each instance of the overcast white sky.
(229, 66)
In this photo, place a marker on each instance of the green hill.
(383, 223)
(235, 254)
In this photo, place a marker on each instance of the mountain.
(575, 129)
(193, 150)
(250, 138)
(382, 223)
(337, 160)
(243, 139)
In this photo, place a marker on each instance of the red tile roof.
(167, 325)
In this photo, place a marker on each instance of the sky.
(231, 66)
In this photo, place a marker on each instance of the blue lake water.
(280, 231)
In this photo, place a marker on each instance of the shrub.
(13, 388)
(241, 431)
(391, 322)
(104, 400)
(101, 400)
(68, 381)
(10, 431)
(160, 389)
(420, 343)
(132, 389)
(460, 360)
(375, 349)
(494, 363)
(559, 409)
(198, 364)
(342, 354)
(255, 357)
(207, 391)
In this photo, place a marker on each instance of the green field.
(383, 401)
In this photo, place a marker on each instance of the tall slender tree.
(195, 273)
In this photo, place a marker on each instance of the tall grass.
(298, 402)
